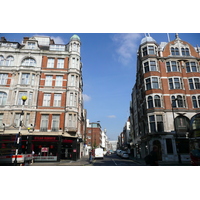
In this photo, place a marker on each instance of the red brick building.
(167, 87)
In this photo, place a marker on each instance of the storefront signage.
(38, 138)
(44, 149)
(67, 141)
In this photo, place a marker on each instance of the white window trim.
(149, 61)
(183, 98)
(147, 45)
(177, 64)
(153, 98)
(159, 83)
(155, 114)
(46, 99)
(180, 82)
(192, 82)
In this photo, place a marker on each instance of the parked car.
(124, 155)
(118, 152)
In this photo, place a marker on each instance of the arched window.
(173, 101)
(29, 62)
(9, 61)
(157, 101)
(1, 60)
(199, 100)
(180, 101)
(185, 51)
(150, 102)
(3, 98)
(194, 101)
(172, 51)
(176, 51)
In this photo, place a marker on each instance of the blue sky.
(109, 70)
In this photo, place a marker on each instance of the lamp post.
(24, 98)
(176, 134)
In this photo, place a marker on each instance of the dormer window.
(174, 51)
(185, 51)
(31, 45)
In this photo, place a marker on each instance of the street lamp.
(177, 145)
(24, 98)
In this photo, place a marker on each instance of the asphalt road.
(114, 160)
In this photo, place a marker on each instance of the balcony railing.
(43, 129)
(54, 129)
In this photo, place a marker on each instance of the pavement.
(162, 163)
(84, 161)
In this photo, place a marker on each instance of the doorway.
(158, 144)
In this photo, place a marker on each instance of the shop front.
(46, 148)
(70, 148)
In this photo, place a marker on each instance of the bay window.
(175, 83)
(194, 83)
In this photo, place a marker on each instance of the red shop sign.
(44, 138)
(44, 149)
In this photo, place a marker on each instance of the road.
(114, 160)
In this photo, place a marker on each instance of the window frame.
(45, 121)
(48, 80)
(3, 78)
(50, 62)
(173, 83)
(46, 99)
(56, 120)
(170, 66)
(154, 124)
(28, 62)
(3, 98)
(193, 83)
(57, 101)
(60, 65)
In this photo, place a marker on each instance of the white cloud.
(126, 46)
(111, 116)
(86, 97)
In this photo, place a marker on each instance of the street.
(110, 160)
(114, 160)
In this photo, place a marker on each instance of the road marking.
(114, 162)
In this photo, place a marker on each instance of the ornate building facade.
(50, 75)
(167, 89)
